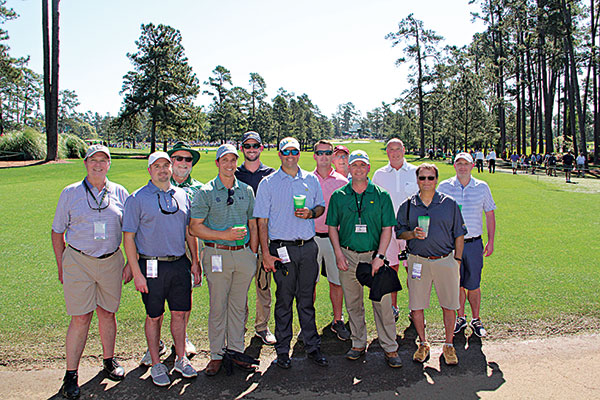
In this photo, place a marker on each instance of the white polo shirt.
(400, 183)
(475, 199)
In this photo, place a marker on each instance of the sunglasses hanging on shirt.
(162, 210)
(99, 207)
(230, 199)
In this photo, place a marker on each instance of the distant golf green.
(541, 279)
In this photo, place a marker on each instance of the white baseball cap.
(358, 155)
(157, 155)
(289, 142)
(465, 156)
(97, 148)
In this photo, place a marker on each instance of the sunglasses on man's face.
(323, 152)
(182, 158)
(251, 146)
(293, 152)
(429, 178)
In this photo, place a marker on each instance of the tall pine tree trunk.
(51, 52)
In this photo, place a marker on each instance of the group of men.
(288, 225)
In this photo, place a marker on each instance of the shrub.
(72, 147)
(30, 143)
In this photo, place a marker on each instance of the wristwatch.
(312, 213)
(382, 256)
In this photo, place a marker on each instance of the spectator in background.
(568, 160)
(580, 165)
(514, 162)
(479, 160)
(491, 159)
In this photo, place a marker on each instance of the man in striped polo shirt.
(475, 198)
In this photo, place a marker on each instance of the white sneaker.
(160, 375)
(147, 359)
(184, 367)
(190, 349)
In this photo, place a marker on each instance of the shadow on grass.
(367, 376)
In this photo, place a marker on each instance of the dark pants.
(479, 164)
(491, 166)
(299, 283)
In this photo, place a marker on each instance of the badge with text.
(283, 254)
(360, 228)
(217, 263)
(151, 268)
(416, 271)
(99, 230)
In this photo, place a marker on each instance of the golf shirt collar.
(220, 186)
(260, 168)
(370, 187)
(389, 168)
(435, 200)
(456, 183)
(330, 175)
(106, 187)
(154, 189)
(300, 175)
(186, 183)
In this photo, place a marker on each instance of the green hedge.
(29, 144)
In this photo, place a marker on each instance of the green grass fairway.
(541, 279)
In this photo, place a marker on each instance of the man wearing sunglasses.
(360, 220)
(90, 264)
(183, 158)
(289, 250)
(475, 198)
(329, 181)
(432, 225)
(251, 172)
(399, 179)
(155, 229)
(222, 217)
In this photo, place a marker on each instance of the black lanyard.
(359, 205)
(98, 203)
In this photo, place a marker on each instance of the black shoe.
(70, 388)
(283, 361)
(318, 358)
(114, 370)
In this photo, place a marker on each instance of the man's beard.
(249, 158)
(186, 173)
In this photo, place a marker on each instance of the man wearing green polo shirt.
(222, 217)
(360, 220)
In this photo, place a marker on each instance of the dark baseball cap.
(251, 135)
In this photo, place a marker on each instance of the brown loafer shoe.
(213, 367)
(244, 366)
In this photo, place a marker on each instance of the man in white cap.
(155, 229)
(222, 217)
(90, 264)
(360, 220)
(287, 243)
(183, 159)
(475, 199)
(399, 179)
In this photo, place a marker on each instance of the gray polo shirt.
(77, 210)
(210, 204)
(159, 220)
(445, 225)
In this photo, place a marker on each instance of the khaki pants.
(263, 296)
(228, 291)
(382, 311)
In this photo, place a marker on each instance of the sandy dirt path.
(561, 367)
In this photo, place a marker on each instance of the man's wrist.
(458, 259)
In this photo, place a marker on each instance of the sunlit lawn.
(543, 273)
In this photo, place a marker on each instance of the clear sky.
(333, 50)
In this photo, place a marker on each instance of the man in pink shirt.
(330, 181)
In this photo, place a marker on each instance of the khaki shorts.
(444, 273)
(89, 282)
(327, 255)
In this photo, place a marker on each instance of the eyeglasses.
(323, 152)
(429, 178)
(287, 152)
(251, 146)
(182, 158)
(162, 210)
(230, 193)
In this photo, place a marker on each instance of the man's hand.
(197, 272)
(419, 233)
(127, 274)
(489, 249)
(341, 261)
(233, 233)
(140, 283)
(60, 273)
(269, 262)
(375, 265)
(303, 213)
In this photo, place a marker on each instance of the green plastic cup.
(241, 241)
(299, 201)
(424, 223)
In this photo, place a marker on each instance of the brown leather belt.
(359, 252)
(224, 246)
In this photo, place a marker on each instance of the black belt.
(322, 235)
(166, 258)
(359, 252)
(103, 256)
(299, 242)
(472, 239)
